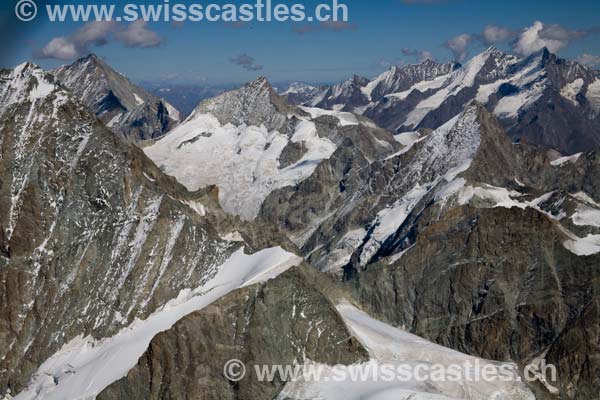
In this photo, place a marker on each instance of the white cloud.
(94, 33)
(459, 46)
(138, 35)
(98, 33)
(77, 44)
(60, 48)
(421, 55)
(538, 36)
(493, 34)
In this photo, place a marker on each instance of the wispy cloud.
(138, 35)
(459, 46)
(78, 43)
(247, 62)
(96, 34)
(420, 55)
(494, 34)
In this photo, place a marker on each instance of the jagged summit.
(494, 50)
(259, 82)
(125, 108)
(256, 103)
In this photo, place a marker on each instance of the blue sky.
(376, 36)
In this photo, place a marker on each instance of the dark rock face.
(285, 321)
(482, 282)
(575, 353)
(126, 109)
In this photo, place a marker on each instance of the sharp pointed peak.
(89, 58)
(261, 80)
(261, 83)
(93, 60)
(493, 49)
(27, 65)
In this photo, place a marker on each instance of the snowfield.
(243, 161)
(392, 347)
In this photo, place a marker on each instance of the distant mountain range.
(184, 97)
(542, 99)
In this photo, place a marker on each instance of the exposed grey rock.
(255, 104)
(345, 96)
(494, 282)
(126, 109)
(286, 321)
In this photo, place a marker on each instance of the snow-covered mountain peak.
(493, 50)
(426, 95)
(299, 88)
(25, 82)
(260, 84)
(300, 92)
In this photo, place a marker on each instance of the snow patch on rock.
(571, 90)
(84, 366)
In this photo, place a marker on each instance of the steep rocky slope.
(126, 109)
